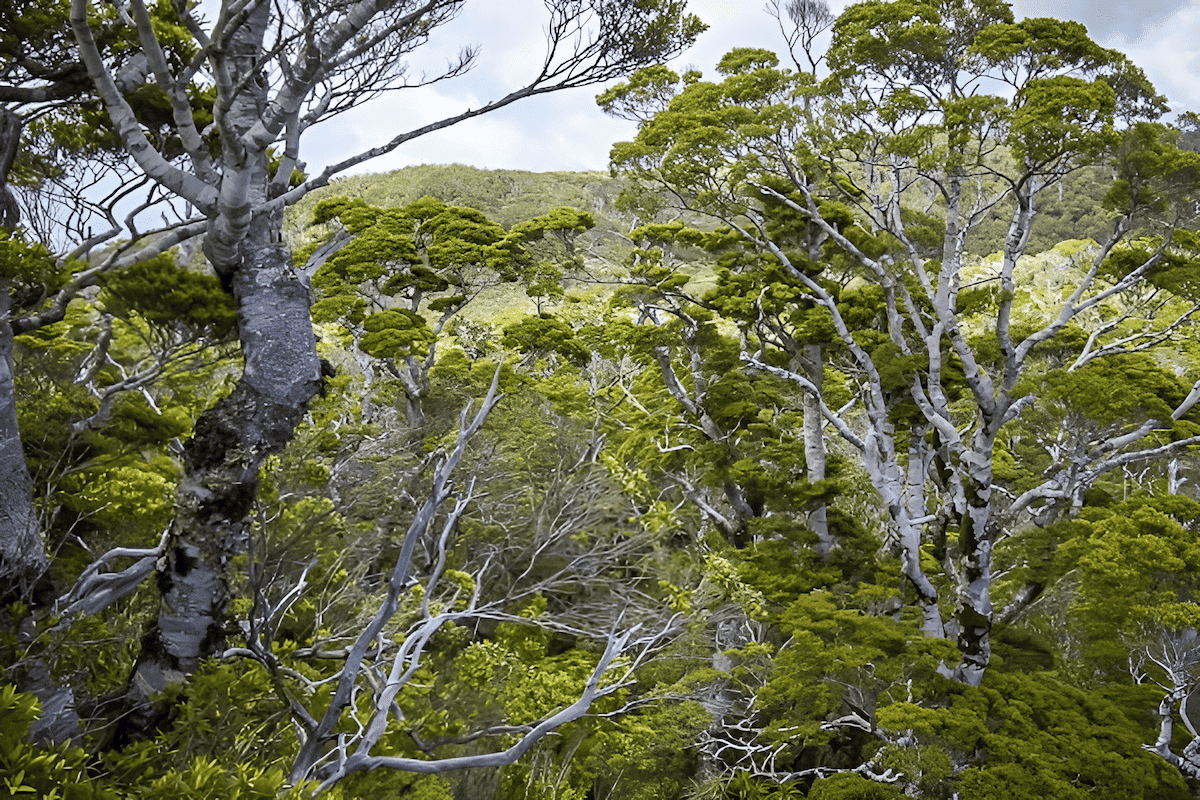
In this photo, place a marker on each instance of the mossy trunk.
(230, 442)
(281, 373)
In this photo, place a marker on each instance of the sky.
(567, 131)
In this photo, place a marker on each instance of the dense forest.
(840, 442)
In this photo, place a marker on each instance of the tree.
(37, 69)
(60, 188)
(273, 72)
(22, 554)
(727, 435)
(380, 270)
(34, 69)
(936, 116)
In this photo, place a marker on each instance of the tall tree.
(275, 70)
(380, 269)
(61, 182)
(937, 115)
(35, 68)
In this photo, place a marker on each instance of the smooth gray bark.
(814, 444)
(222, 459)
(22, 554)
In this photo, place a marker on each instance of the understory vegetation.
(840, 444)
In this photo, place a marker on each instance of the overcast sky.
(566, 131)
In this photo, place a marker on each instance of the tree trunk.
(22, 555)
(222, 459)
(10, 139)
(814, 445)
(902, 492)
(231, 440)
(974, 612)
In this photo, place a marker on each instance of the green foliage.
(387, 783)
(205, 779)
(230, 741)
(838, 654)
(1059, 115)
(1121, 388)
(67, 773)
(396, 333)
(164, 294)
(398, 275)
(848, 786)
(26, 770)
(1074, 209)
(128, 488)
(28, 270)
(101, 399)
(564, 222)
(545, 334)
(1039, 738)
(743, 786)
(647, 755)
(648, 88)
(1136, 563)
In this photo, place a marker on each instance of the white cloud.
(566, 131)
(1103, 18)
(1169, 52)
(560, 131)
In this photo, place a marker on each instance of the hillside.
(1072, 210)
(505, 196)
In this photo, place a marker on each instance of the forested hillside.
(841, 442)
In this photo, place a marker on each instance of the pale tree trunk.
(911, 527)
(902, 492)
(1174, 482)
(414, 380)
(22, 554)
(23, 560)
(814, 445)
(222, 459)
(974, 611)
(231, 440)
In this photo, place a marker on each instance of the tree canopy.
(841, 443)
